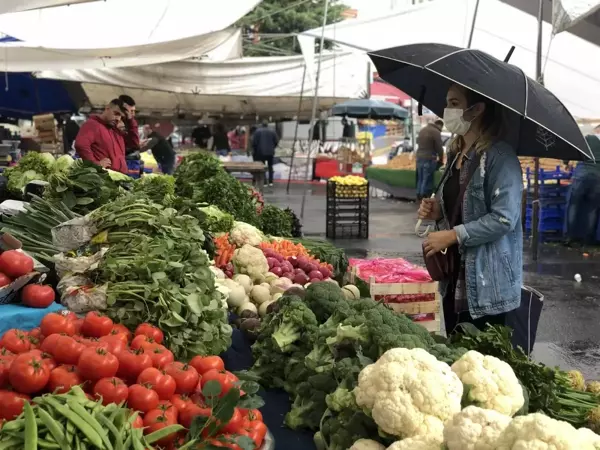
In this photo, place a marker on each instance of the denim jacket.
(491, 237)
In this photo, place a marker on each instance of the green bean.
(137, 439)
(111, 427)
(31, 430)
(42, 443)
(54, 427)
(163, 433)
(12, 442)
(81, 411)
(128, 442)
(69, 432)
(89, 432)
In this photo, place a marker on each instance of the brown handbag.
(440, 265)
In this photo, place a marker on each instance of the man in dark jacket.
(264, 143)
(430, 156)
(132, 134)
(162, 150)
(100, 141)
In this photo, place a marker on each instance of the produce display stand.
(347, 213)
(48, 134)
(256, 169)
(380, 291)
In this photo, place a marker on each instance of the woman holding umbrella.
(477, 210)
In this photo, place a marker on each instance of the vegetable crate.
(347, 215)
(411, 299)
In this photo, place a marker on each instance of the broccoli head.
(293, 321)
(449, 355)
(340, 430)
(325, 298)
(340, 399)
(320, 358)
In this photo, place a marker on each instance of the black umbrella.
(540, 124)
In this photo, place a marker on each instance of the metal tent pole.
(296, 131)
(536, 166)
(315, 103)
(473, 23)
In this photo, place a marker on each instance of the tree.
(281, 19)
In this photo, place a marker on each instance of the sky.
(376, 7)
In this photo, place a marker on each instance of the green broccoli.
(294, 320)
(339, 431)
(310, 402)
(325, 298)
(340, 399)
(447, 354)
(320, 358)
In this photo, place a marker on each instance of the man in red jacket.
(100, 141)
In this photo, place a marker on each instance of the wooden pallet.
(413, 308)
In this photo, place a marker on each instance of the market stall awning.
(12, 6)
(568, 13)
(381, 90)
(25, 57)
(570, 65)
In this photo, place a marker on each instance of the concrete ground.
(568, 333)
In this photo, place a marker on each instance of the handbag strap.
(472, 167)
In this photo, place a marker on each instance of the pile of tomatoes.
(111, 363)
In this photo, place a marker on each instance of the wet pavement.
(569, 331)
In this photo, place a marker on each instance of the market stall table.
(256, 169)
(18, 316)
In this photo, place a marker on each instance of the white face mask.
(454, 121)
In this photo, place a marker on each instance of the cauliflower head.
(367, 444)
(416, 443)
(588, 436)
(251, 261)
(243, 233)
(475, 429)
(540, 432)
(491, 382)
(409, 393)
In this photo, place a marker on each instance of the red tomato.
(57, 323)
(63, 378)
(119, 328)
(205, 363)
(111, 390)
(69, 314)
(180, 402)
(155, 420)
(132, 363)
(77, 323)
(96, 325)
(235, 423)
(15, 341)
(151, 331)
(38, 295)
(36, 333)
(257, 430)
(46, 358)
(97, 363)
(185, 376)
(163, 383)
(4, 369)
(28, 374)
(252, 414)
(114, 343)
(6, 354)
(143, 341)
(138, 422)
(4, 280)
(11, 404)
(94, 343)
(116, 336)
(142, 398)
(226, 379)
(168, 408)
(161, 356)
(187, 415)
(67, 350)
(15, 264)
(49, 342)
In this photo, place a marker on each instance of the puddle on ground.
(580, 355)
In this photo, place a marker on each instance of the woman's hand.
(430, 209)
(438, 241)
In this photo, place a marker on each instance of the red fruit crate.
(411, 299)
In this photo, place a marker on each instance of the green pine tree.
(284, 17)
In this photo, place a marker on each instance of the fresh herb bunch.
(296, 224)
(83, 188)
(276, 222)
(155, 187)
(194, 169)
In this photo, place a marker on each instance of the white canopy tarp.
(215, 46)
(571, 66)
(265, 86)
(568, 13)
(122, 23)
(12, 6)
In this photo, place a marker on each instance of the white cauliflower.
(475, 429)
(588, 436)
(409, 393)
(252, 262)
(243, 233)
(540, 432)
(367, 444)
(491, 382)
(416, 443)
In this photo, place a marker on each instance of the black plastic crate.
(347, 230)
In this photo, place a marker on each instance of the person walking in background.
(200, 135)
(70, 130)
(430, 156)
(583, 200)
(100, 141)
(162, 150)
(220, 143)
(264, 143)
(131, 132)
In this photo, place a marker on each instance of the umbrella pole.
(315, 103)
(536, 165)
(296, 131)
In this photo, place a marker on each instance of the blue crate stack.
(554, 186)
(134, 168)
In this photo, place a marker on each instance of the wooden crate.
(413, 308)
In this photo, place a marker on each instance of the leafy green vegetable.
(32, 166)
(63, 163)
(195, 168)
(275, 221)
(158, 188)
(215, 220)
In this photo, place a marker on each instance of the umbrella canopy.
(369, 109)
(539, 123)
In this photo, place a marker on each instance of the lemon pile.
(350, 186)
